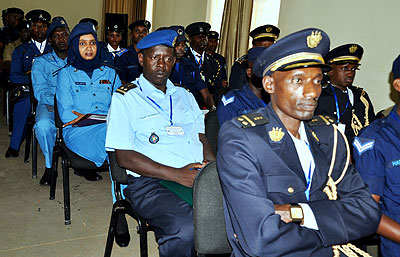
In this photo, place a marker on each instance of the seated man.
(377, 158)
(157, 132)
(249, 97)
(127, 60)
(186, 73)
(288, 187)
(44, 87)
(349, 104)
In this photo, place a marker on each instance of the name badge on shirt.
(174, 130)
(342, 127)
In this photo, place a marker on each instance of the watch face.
(296, 213)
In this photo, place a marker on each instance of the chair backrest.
(212, 128)
(208, 213)
(118, 174)
(57, 119)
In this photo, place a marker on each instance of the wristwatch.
(296, 213)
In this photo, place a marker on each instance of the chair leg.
(111, 232)
(28, 141)
(34, 154)
(67, 210)
(143, 237)
(53, 180)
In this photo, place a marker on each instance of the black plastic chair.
(208, 213)
(211, 129)
(122, 207)
(31, 136)
(69, 159)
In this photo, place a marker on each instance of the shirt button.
(91, 83)
(94, 94)
(97, 107)
(290, 190)
(77, 90)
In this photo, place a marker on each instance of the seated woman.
(85, 87)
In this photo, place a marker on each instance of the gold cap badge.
(276, 134)
(268, 29)
(353, 48)
(314, 39)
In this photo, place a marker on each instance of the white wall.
(178, 12)
(372, 24)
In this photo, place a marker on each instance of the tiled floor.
(31, 225)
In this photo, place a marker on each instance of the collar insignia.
(276, 134)
(314, 39)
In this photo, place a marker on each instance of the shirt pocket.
(81, 94)
(393, 175)
(284, 189)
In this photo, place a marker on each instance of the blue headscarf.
(74, 57)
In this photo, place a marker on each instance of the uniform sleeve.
(17, 67)
(65, 103)
(259, 231)
(354, 214)
(8, 51)
(225, 111)
(198, 114)
(40, 82)
(371, 165)
(120, 133)
(122, 70)
(371, 112)
(117, 81)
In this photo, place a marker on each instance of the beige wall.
(178, 12)
(71, 10)
(372, 24)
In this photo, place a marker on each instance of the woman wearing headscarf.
(85, 87)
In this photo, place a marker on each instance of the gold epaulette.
(322, 120)
(251, 120)
(125, 88)
(242, 59)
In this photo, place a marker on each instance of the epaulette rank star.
(125, 88)
(322, 120)
(251, 120)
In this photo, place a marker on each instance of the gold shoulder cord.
(330, 190)
(356, 124)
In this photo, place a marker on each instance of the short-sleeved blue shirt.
(377, 159)
(44, 82)
(135, 122)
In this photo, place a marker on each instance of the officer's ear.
(141, 57)
(396, 84)
(268, 84)
(248, 72)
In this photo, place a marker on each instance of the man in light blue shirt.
(157, 132)
(44, 82)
